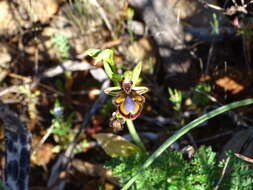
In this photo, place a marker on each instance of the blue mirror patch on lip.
(129, 105)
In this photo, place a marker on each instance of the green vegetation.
(61, 43)
(176, 97)
(61, 129)
(172, 172)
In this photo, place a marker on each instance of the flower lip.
(129, 100)
(129, 105)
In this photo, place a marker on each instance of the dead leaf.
(116, 146)
(184, 8)
(229, 84)
(43, 155)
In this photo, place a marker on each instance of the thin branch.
(42, 141)
(67, 66)
(211, 6)
(223, 173)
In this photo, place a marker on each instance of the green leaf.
(130, 13)
(215, 24)
(128, 75)
(116, 78)
(107, 56)
(136, 73)
(116, 146)
(108, 71)
(92, 52)
(112, 76)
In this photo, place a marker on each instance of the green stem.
(182, 132)
(135, 136)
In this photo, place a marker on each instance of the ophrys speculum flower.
(129, 100)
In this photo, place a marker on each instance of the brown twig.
(113, 43)
(51, 72)
(10, 89)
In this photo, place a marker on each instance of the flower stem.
(135, 136)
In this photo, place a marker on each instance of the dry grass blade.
(245, 158)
